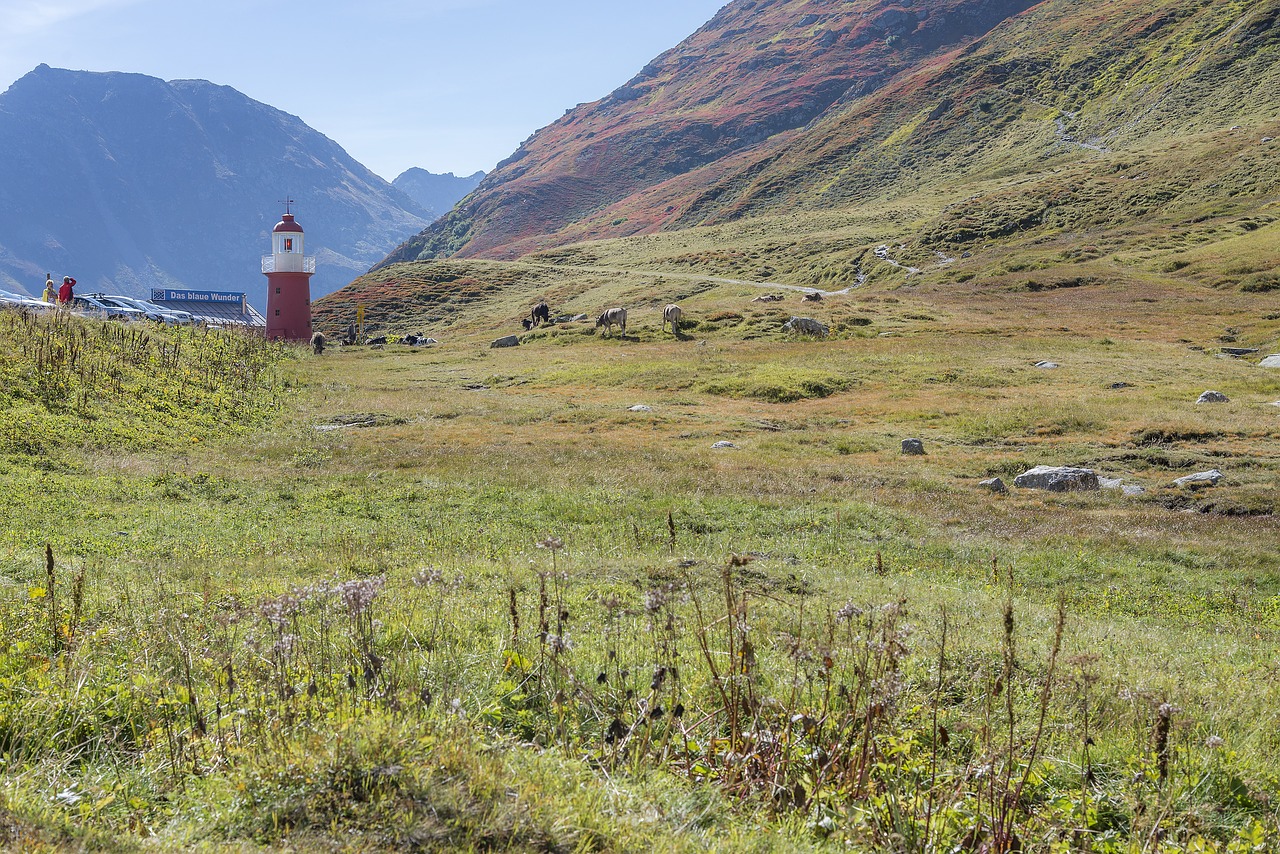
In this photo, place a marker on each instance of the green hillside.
(1089, 115)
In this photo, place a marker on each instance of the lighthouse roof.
(286, 223)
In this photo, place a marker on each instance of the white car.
(91, 306)
(12, 300)
(159, 314)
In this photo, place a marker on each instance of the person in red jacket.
(67, 291)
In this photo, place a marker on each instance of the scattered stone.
(1213, 397)
(508, 341)
(475, 387)
(913, 447)
(812, 297)
(1047, 365)
(994, 484)
(1239, 351)
(1057, 479)
(725, 445)
(1268, 139)
(1272, 361)
(1200, 479)
(1117, 483)
(806, 326)
(640, 407)
(769, 298)
(1121, 385)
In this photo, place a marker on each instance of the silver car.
(159, 314)
(12, 300)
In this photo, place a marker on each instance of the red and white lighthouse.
(288, 271)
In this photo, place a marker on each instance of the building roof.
(218, 308)
(218, 314)
(286, 223)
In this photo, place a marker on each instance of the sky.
(444, 85)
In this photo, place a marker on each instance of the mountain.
(437, 194)
(779, 106)
(128, 182)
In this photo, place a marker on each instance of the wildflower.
(655, 600)
(1214, 742)
(555, 544)
(279, 611)
(558, 644)
(428, 577)
(358, 595)
(848, 612)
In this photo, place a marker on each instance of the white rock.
(723, 445)
(640, 407)
(1272, 361)
(1213, 397)
(1203, 478)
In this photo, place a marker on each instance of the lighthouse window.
(288, 244)
(277, 312)
(277, 290)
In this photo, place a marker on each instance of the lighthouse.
(288, 273)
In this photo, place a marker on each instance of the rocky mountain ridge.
(128, 182)
(437, 194)
(779, 105)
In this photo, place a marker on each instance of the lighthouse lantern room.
(288, 271)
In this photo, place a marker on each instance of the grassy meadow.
(462, 598)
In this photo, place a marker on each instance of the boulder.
(725, 446)
(913, 447)
(1200, 479)
(508, 341)
(1272, 361)
(1239, 351)
(1117, 483)
(1213, 397)
(640, 407)
(994, 484)
(1057, 479)
(806, 326)
(1047, 365)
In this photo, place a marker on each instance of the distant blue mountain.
(437, 193)
(128, 182)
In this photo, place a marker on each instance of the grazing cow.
(380, 340)
(806, 326)
(541, 314)
(612, 316)
(672, 314)
(813, 297)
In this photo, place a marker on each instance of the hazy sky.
(447, 85)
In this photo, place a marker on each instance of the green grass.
(196, 672)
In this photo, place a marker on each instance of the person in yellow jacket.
(50, 292)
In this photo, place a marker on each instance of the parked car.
(154, 312)
(12, 300)
(95, 307)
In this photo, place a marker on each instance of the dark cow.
(541, 314)
(613, 316)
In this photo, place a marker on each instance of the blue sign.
(170, 295)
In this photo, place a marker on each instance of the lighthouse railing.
(308, 264)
